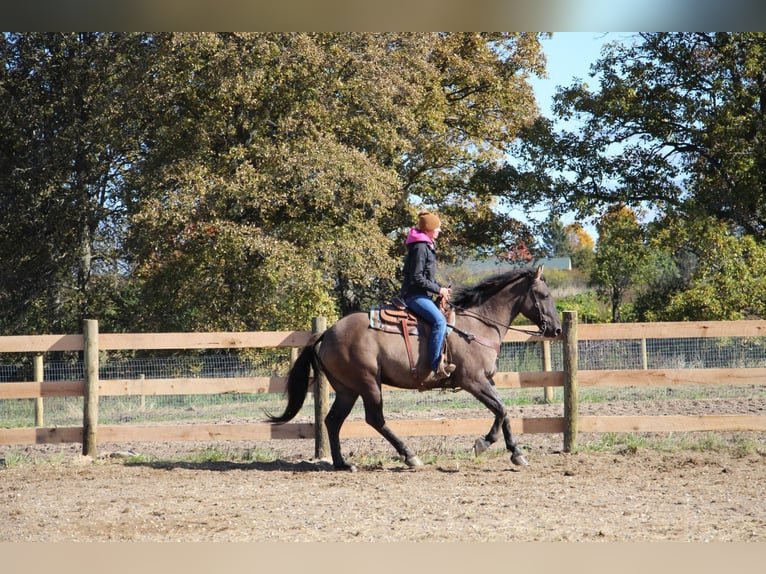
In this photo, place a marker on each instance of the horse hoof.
(519, 460)
(346, 467)
(413, 461)
(480, 446)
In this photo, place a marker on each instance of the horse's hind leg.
(488, 396)
(373, 411)
(338, 412)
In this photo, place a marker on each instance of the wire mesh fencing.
(633, 354)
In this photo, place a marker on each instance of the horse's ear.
(539, 272)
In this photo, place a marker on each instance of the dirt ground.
(156, 492)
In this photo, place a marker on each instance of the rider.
(420, 285)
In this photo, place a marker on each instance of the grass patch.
(630, 443)
(624, 443)
(218, 454)
(436, 453)
(209, 455)
(21, 457)
(15, 458)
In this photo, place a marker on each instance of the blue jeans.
(426, 309)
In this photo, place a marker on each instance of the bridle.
(489, 321)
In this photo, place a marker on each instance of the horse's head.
(539, 307)
(516, 291)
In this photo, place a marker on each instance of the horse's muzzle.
(550, 331)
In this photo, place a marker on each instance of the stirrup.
(445, 370)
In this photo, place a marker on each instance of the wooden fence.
(90, 343)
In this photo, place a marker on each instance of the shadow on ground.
(276, 465)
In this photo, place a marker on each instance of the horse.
(357, 359)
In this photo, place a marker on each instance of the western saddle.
(396, 317)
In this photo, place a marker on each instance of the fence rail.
(569, 378)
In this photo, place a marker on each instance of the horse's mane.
(467, 297)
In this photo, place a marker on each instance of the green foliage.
(670, 121)
(620, 256)
(589, 308)
(704, 271)
(67, 139)
(243, 181)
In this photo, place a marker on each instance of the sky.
(569, 55)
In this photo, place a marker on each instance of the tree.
(244, 181)
(581, 247)
(570, 240)
(517, 256)
(67, 137)
(285, 168)
(701, 271)
(620, 256)
(555, 240)
(675, 123)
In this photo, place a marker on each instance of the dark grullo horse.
(358, 359)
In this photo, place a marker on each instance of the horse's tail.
(298, 381)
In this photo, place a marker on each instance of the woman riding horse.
(420, 285)
(358, 360)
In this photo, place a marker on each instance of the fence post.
(142, 403)
(644, 355)
(90, 395)
(547, 391)
(570, 381)
(321, 401)
(37, 367)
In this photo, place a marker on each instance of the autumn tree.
(581, 246)
(244, 181)
(572, 240)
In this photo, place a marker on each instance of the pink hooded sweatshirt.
(417, 236)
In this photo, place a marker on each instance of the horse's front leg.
(487, 394)
(482, 444)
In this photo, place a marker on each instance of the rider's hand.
(445, 292)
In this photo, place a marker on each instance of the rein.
(489, 320)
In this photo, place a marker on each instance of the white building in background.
(559, 263)
(483, 267)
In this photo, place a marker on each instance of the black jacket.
(419, 270)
